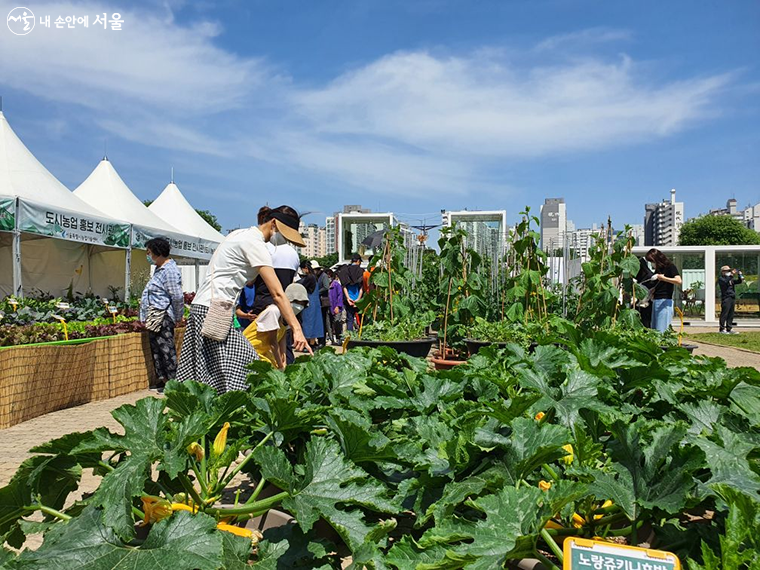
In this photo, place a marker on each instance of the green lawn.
(745, 340)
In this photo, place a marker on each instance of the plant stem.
(546, 562)
(189, 489)
(106, 465)
(256, 491)
(247, 458)
(634, 534)
(610, 519)
(48, 511)
(446, 319)
(552, 545)
(626, 530)
(263, 505)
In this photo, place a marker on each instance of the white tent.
(34, 205)
(172, 207)
(105, 190)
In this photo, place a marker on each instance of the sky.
(410, 106)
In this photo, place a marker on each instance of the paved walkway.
(16, 441)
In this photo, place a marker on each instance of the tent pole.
(18, 291)
(197, 275)
(128, 267)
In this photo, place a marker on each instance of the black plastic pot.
(419, 348)
(689, 347)
(473, 346)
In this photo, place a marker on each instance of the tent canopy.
(174, 209)
(22, 175)
(105, 191)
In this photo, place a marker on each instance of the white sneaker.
(732, 332)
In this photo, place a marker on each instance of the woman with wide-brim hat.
(213, 351)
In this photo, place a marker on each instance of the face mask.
(277, 239)
(727, 274)
(150, 259)
(297, 307)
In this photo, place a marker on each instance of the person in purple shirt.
(337, 311)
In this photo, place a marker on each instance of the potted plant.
(461, 293)
(389, 314)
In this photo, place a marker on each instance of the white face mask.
(297, 307)
(277, 239)
(727, 274)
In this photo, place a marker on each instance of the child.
(267, 333)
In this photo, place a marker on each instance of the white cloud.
(151, 62)
(409, 123)
(584, 38)
(482, 107)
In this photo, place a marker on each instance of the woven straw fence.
(36, 380)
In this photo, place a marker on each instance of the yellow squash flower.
(568, 459)
(254, 535)
(540, 416)
(578, 520)
(221, 440)
(183, 507)
(155, 509)
(196, 450)
(544, 486)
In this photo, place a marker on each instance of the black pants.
(290, 358)
(727, 313)
(326, 323)
(164, 352)
(351, 317)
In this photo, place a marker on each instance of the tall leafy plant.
(606, 279)
(461, 289)
(525, 298)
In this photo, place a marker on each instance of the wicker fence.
(35, 380)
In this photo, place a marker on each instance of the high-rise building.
(331, 241)
(553, 223)
(637, 231)
(315, 238)
(486, 229)
(663, 221)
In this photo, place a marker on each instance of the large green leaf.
(359, 439)
(117, 490)
(528, 446)
(727, 460)
(656, 474)
(508, 528)
(740, 542)
(183, 432)
(143, 424)
(180, 541)
(329, 483)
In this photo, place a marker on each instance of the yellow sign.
(585, 554)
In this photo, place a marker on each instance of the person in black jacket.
(728, 278)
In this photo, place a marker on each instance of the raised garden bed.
(41, 378)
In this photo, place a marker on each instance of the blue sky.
(402, 105)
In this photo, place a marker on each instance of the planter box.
(419, 348)
(36, 380)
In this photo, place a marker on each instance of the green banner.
(182, 246)
(65, 224)
(7, 214)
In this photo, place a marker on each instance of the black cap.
(356, 257)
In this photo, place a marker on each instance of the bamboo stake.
(446, 319)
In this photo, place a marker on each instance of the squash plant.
(594, 434)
